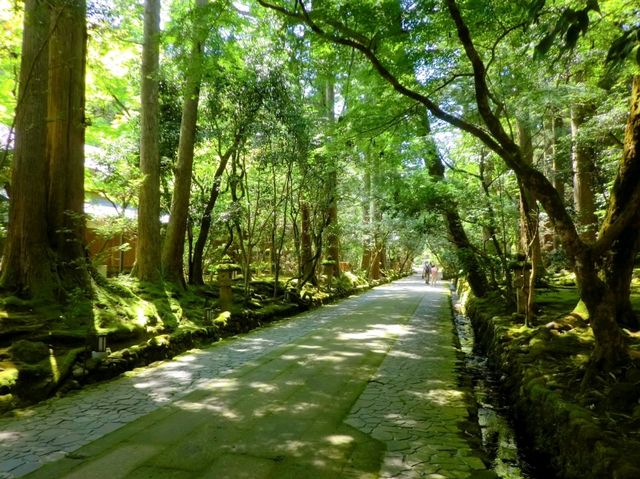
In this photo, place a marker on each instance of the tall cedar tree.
(173, 248)
(147, 266)
(44, 253)
(65, 146)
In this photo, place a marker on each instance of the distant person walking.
(426, 272)
(434, 274)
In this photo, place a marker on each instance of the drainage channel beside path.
(365, 388)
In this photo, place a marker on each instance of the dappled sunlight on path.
(59, 426)
(414, 403)
(338, 392)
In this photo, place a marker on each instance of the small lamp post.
(101, 351)
(102, 343)
(522, 274)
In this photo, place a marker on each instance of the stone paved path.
(365, 388)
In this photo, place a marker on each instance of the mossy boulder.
(624, 396)
(222, 319)
(30, 352)
(34, 382)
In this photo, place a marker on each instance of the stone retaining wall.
(568, 434)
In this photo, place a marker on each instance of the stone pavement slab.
(414, 404)
(365, 389)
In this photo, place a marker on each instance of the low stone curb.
(565, 434)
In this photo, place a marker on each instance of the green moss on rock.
(543, 382)
(29, 351)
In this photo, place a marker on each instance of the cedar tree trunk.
(583, 170)
(307, 264)
(148, 265)
(65, 146)
(27, 262)
(333, 235)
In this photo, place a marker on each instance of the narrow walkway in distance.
(365, 389)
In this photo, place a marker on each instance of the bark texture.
(378, 254)
(582, 157)
(621, 257)
(148, 267)
(559, 163)
(173, 248)
(365, 262)
(333, 236)
(307, 263)
(27, 262)
(65, 145)
(529, 229)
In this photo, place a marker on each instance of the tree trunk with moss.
(332, 231)
(365, 262)
(598, 295)
(307, 264)
(529, 230)
(619, 260)
(173, 248)
(378, 253)
(559, 163)
(27, 261)
(45, 252)
(582, 156)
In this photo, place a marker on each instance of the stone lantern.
(101, 351)
(226, 270)
(521, 275)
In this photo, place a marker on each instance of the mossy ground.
(46, 348)
(591, 429)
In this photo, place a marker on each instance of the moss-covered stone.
(29, 351)
(583, 432)
(624, 396)
(222, 319)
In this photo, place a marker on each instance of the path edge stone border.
(562, 434)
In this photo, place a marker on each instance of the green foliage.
(627, 45)
(170, 117)
(10, 47)
(569, 26)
